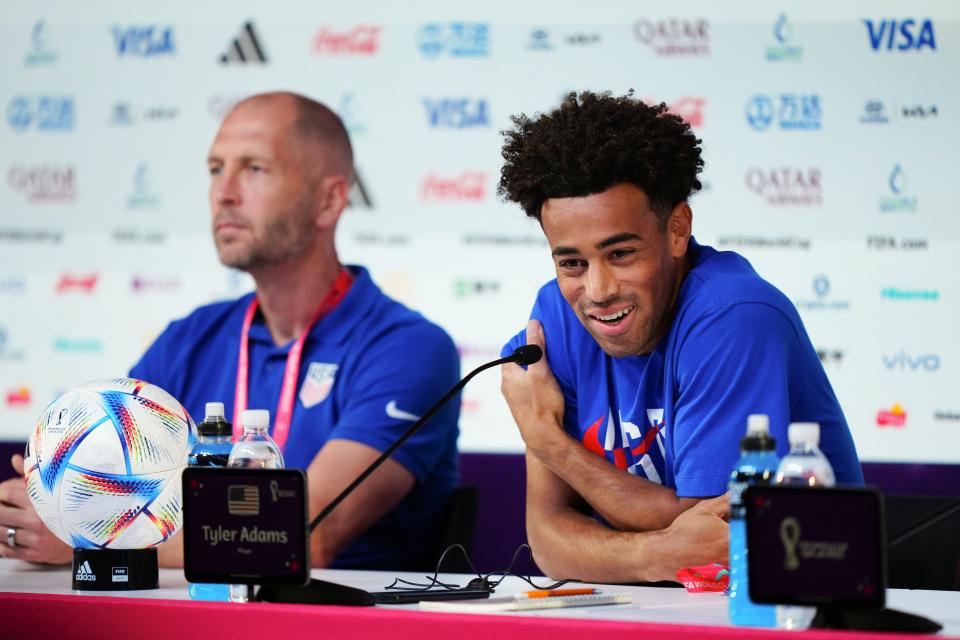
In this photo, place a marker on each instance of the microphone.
(522, 355)
(322, 592)
(527, 354)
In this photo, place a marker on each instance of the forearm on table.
(608, 489)
(569, 544)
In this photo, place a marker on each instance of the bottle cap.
(758, 423)
(214, 410)
(758, 436)
(255, 419)
(804, 433)
(214, 423)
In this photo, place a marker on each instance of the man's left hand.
(534, 396)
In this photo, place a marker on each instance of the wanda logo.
(362, 40)
(468, 186)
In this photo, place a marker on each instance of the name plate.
(245, 526)
(817, 547)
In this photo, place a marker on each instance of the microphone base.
(316, 592)
(876, 620)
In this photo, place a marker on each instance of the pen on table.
(554, 593)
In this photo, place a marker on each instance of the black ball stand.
(115, 569)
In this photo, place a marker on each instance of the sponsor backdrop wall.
(829, 135)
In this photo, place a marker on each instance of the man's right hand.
(34, 542)
(699, 535)
(534, 398)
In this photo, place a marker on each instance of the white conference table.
(667, 612)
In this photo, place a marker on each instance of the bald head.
(315, 133)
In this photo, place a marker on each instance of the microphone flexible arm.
(527, 354)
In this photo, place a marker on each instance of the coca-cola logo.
(787, 186)
(689, 108)
(674, 36)
(467, 186)
(362, 40)
(44, 183)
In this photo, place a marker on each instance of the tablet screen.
(245, 526)
(816, 546)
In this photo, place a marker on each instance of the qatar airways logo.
(84, 284)
(674, 36)
(786, 186)
(44, 183)
(468, 186)
(361, 40)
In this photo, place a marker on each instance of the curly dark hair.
(592, 142)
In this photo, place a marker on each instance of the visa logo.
(903, 361)
(457, 113)
(144, 42)
(902, 35)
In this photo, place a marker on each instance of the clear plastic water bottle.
(211, 450)
(804, 466)
(254, 450)
(757, 466)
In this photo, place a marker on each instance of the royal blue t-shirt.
(676, 415)
(368, 369)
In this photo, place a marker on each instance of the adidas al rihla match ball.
(103, 465)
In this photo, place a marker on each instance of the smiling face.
(616, 268)
(260, 200)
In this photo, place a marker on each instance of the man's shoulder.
(720, 280)
(389, 321)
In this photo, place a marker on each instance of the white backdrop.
(828, 131)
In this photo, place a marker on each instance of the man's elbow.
(546, 553)
(551, 564)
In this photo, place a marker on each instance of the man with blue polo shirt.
(318, 344)
(657, 349)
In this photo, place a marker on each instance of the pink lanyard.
(281, 424)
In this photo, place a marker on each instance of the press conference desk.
(37, 602)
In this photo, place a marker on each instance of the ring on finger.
(11, 536)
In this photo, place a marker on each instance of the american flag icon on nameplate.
(243, 500)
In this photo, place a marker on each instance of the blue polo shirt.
(368, 368)
(676, 415)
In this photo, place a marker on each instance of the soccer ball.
(103, 465)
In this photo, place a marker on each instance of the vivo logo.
(903, 361)
(457, 113)
(900, 35)
(144, 42)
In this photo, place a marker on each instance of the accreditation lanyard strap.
(291, 374)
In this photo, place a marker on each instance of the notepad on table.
(523, 603)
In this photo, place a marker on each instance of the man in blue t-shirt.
(318, 344)
(657, 349)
